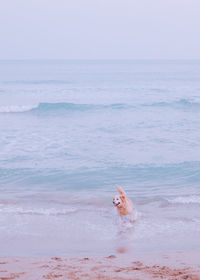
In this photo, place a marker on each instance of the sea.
(71, 130)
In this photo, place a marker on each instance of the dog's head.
(117, 200)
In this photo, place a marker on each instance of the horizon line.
(100, 59)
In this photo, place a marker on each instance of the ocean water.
(71, 130)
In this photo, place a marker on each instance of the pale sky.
(99, 29)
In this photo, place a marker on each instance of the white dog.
(123, 204)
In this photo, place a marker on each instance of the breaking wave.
(182, 104)
(62, 106)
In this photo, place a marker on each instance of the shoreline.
(177, 265)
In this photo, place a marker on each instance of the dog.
(123, 204)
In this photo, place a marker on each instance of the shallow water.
(71, 130)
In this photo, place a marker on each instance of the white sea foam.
(38, 211)
(16, 108)
(186, 199)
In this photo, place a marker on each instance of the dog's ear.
(123, 199)
(121, 191)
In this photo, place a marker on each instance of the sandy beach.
(179, 265)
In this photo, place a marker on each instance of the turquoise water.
(72, 130)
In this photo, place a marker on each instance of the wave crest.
(179, 104)
(62, 106)
(183, 104)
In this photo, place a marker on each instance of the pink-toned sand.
(179, 265)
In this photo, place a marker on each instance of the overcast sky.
(98, 29)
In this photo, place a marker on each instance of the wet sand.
(179, 265)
